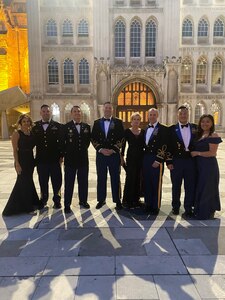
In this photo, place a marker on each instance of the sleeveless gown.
(207, 190)
(133, 185)
(24, 198)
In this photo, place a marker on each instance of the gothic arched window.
(135, 39)
(120, 39)
(217, 71)
(203, 28)
(51, 28)
(201, 73)
(67, 28)
(150, 39)
(68, 71)
(83, 28)
(187, 28)
(186, 71)
(218, 29)
(53, 71)
(84, 71)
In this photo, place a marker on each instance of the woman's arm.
(15, 139)
(212, 150)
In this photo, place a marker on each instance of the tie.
(107, 120)
(186, 125)
(150, 126)
(78, 123)
(44, 123)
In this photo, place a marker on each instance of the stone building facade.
(135, 53)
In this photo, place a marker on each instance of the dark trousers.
(184, 169)
(52, 170)
(103, 164)
(82, 179)
(152, 182)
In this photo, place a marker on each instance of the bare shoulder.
(15, 135)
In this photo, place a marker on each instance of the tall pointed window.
(68, 71)
(84, 71)
(218, 29)
(83, 28)
(187, 28)
(150, 36)
(186, 71)
(120, 40)
(51, 28)
(135, 39)
(67, 28)
(53, 71)
(203, 28)
(201, 74)
(217, 71)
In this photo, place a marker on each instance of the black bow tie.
(150, 126)
(44, 123)
(107, 120)
(186, 125)
(78, 123)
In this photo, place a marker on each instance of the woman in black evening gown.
(207, 199)
(134, 136)
(24, 198)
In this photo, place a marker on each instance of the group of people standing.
(188, 150)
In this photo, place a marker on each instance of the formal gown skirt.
(23, 198)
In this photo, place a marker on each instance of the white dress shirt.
(186, 135)
(149, 132)
(77, 126)
(106, 126)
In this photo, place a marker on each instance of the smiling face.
(206, 124)
(76, 114)
(25, 123)
(135, 121)
(153, 116)
(183, 115)
(107, 110)
(45, 113)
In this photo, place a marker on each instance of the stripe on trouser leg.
(160, 184)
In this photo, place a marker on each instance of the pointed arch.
(120, 38)
(53, 71)
(135, 38)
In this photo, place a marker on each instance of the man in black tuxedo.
(180, 163)
(48, 135)
(107, 135)
(153, 162)
(77, 136)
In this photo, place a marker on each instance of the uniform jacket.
(176, 145)
(114, 137)
(75, 144)
(158, 141)
(48, 143)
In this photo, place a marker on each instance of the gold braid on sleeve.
(161, 153)
(95, 144)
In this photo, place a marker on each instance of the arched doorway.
(135, 96)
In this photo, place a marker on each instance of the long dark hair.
(211, 130)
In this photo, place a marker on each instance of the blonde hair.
(135, 114)
(24, 116)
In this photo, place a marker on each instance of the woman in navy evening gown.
(207, 199)
(134, 136)
(24, 198)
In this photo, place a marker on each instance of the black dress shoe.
(57, 205)
(175, 211)
(188, 214)
(119, 205)
(100, 204)
(84, 204)
(67, 210)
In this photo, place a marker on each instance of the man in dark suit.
(48, 134)
(180, 163)
(107, 135)
(77, 136)
(153, 162)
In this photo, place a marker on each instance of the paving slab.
(160, 247)
(210, 286)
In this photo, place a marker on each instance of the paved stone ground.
(102, 254)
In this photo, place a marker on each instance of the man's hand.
(170, 167)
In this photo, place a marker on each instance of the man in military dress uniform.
(48, 134)
(107, 135)
(181, 164)
(153, 162)
(77, 136)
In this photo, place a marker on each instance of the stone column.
(5, 129)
